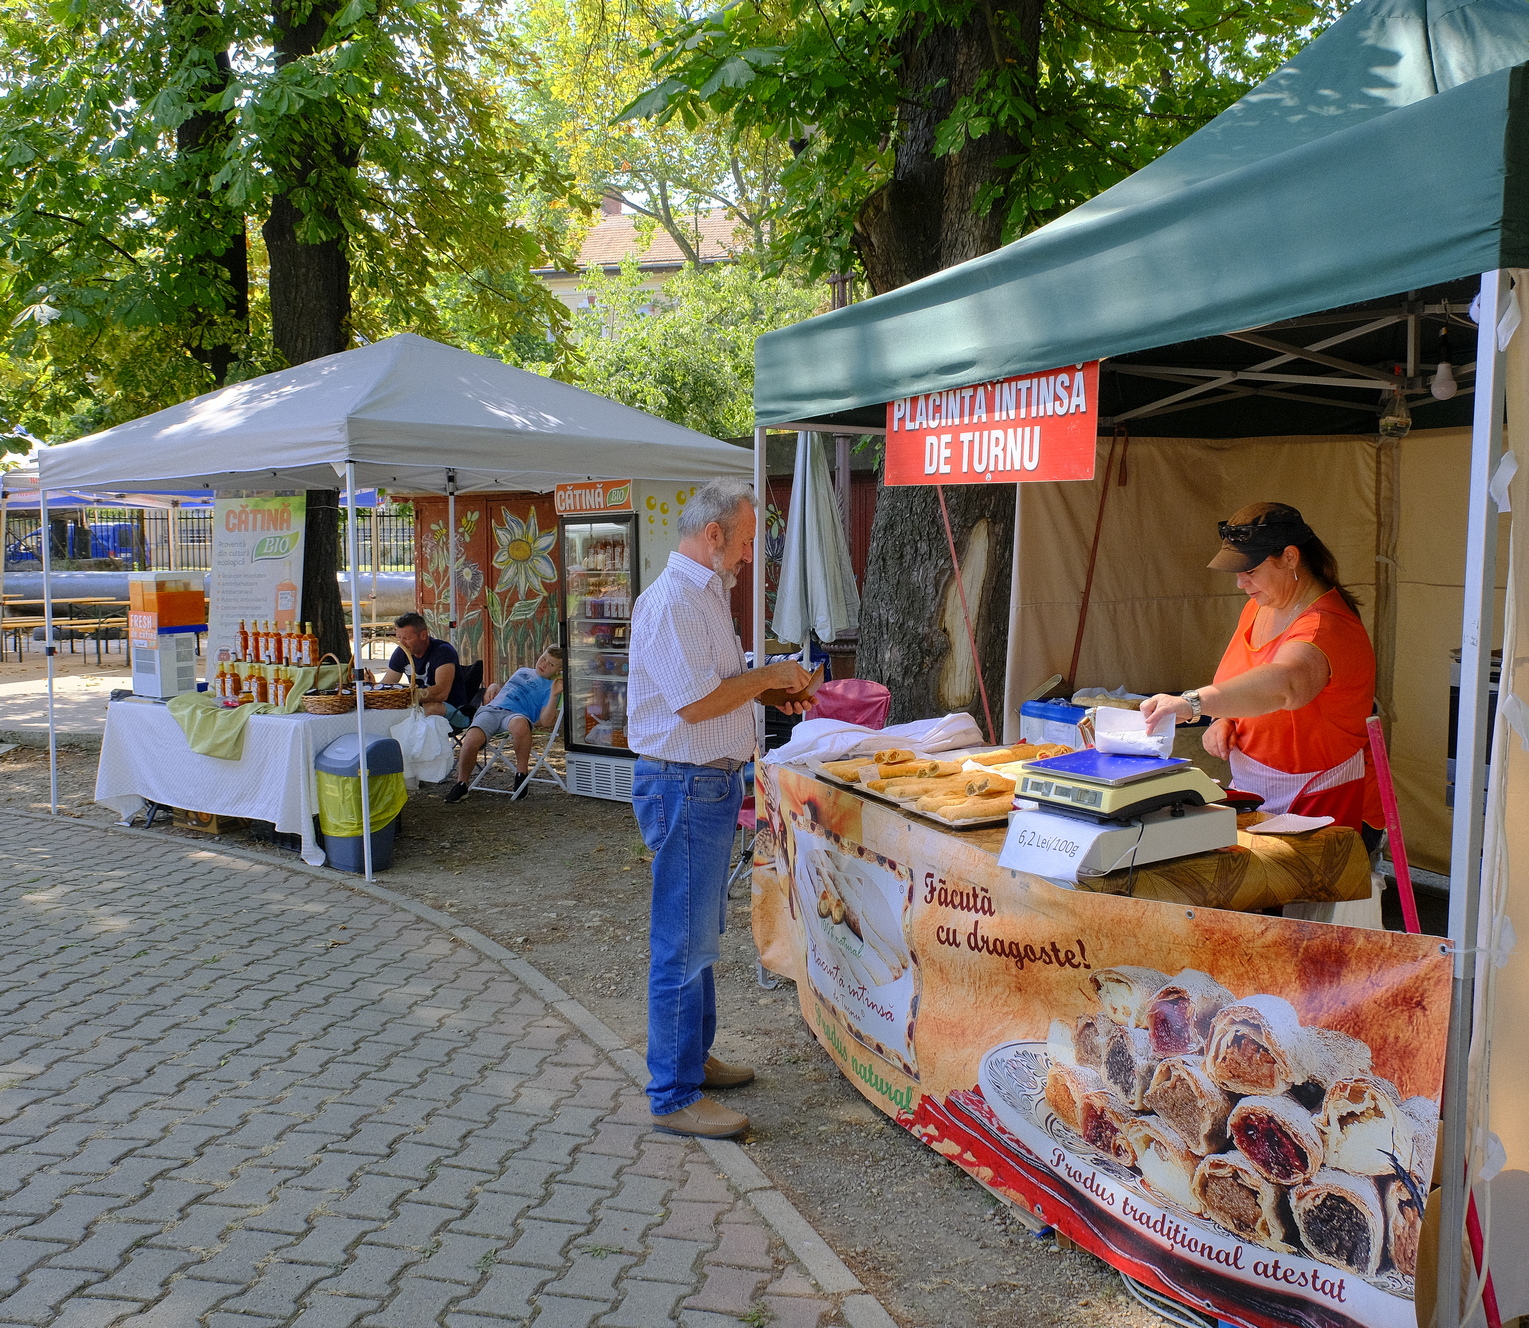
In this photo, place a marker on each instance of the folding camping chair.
(501, 752)
(743, 855)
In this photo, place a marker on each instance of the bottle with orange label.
(310, 646)
(244, 640)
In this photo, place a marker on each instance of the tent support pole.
(5, 502)
(1471, 747)
(757, 628)
(355, 647)
(451, 556)
(1011, 696)
(48, 645)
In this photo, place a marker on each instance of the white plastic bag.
(1124, 732)
(426, 743)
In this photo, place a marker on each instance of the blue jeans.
(687, 815)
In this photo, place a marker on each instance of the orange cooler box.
(174, 599)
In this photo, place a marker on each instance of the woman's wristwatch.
(1194, 704)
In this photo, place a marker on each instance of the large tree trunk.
(912, 632)
(212, 235)
(310, 305)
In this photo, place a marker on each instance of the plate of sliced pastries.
(1231, 1114)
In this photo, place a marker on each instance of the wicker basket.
(328, 703)
(338, 702)
(389, 697)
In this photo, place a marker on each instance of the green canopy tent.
(1264, 280)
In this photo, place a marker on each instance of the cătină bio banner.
(257, 566)
(1237, 1110)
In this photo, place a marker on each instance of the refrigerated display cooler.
(614, 537)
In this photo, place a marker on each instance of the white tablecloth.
(145, 756)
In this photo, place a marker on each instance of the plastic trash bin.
(338, 771)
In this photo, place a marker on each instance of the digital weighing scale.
(1099, 786)
(1141, 808)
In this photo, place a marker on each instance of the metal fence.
(176, 539)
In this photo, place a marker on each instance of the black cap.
(1256, 532)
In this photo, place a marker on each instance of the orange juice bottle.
(244, 640)
(262, 688)
(310, 646)
(286, 597)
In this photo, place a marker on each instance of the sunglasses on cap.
(1263, 532)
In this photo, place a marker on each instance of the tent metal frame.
(1260, 380)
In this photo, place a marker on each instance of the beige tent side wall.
(1159, 619)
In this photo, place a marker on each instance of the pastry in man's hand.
(1230, 1191)
(1278, 1136)
(1103, 1119)
(1365, 1129)
(1165, 1161)
(1187, 1098)
(1129, 1064)
(1179, 1014)
(1341, 1220)
(1066, 1087)
(1124, 991)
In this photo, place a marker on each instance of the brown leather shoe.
(704, 1119)
(719, 1074)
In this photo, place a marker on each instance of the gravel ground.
(564, 881)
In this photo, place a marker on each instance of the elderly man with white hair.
(690, 718)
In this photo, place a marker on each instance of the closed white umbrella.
(817, 581)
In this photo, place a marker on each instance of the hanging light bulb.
(1443, 384)
(1396, 419)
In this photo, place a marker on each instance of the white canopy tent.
(404, 413)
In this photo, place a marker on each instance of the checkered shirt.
(683, 646)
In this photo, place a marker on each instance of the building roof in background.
(615, 238)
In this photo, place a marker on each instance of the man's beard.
(729, 578)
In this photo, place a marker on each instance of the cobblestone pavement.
(236, 1095)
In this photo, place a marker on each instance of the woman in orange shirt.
(1297, 681)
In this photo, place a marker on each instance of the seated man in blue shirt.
(529, 697)
(435, 665)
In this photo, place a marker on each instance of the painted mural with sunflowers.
(507, 576)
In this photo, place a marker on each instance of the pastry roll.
(1404, 1202)
(1124, 992)
(1364, 1128)
(1166, 1164)
(1341, 1220)
(932, 802)
(1089, 1035)
(1059, 1044)
(1129, 1063)
(1230, 1191)
(893, 756)
(1178, 1017)
(1186, 1097)
(974, 809)
(1003, 755)
(1278, 1136)
(1103, 1119)
(1258, 1047)
(846, 770)
(1425, 1115)
(988, 785)
(1066, 1087)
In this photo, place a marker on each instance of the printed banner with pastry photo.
(1237, 1110)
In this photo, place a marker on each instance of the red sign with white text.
(1034, 427)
